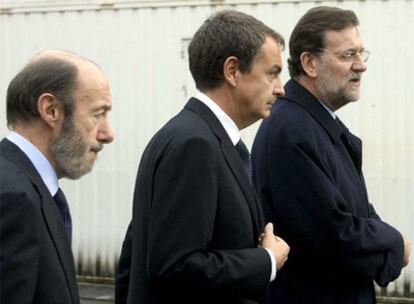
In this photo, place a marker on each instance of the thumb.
(269, 228)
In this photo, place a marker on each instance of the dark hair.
(227, 33)
(44, 75)
(309, 33)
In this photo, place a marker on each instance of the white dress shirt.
(40, 162)
(329, 110)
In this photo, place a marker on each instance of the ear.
(50, 109)
(230, 68)
(309, 64)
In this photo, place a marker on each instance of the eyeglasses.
(351, 55)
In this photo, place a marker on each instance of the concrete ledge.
(96, 293)
(393, 300)
(92, 293)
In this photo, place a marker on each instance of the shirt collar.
(40, 162)
(228, 124)
(329, 110)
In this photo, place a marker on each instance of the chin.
(353, 97)
(92, 155)
(267, 112)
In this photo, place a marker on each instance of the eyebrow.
(275, 69)
(105, 107)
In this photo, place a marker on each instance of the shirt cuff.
(273, 260)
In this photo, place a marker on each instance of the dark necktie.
(63, 206)
(245, 157)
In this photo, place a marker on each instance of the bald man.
(57, 108)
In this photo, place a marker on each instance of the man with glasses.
(307, 171)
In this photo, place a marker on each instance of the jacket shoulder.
(294, 122)
(12, 177)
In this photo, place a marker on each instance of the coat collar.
(51, 213)
(232, 158)
(301, 96)
(334, 127)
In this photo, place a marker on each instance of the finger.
(269, 228)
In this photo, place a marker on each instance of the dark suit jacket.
(312, 188)
(36, 263)
(195, 221)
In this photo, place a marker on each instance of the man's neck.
(226, 101)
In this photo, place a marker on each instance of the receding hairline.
(59, 54)
(280, 44)
(83, 65)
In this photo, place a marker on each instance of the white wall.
(141, 48)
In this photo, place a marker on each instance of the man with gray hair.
(57, 108)
(307, 170)
(196, 222)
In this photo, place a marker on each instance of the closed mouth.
(96, 149)
(355, 77)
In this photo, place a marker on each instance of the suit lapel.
(353, 146)
(232, 158)
(60, 240)
(50, 212)
(235, 164)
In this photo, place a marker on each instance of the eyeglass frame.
(350, 55)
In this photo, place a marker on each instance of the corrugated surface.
(141, 48)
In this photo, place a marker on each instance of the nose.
(359, 65)
(105, 134)
(278, 89)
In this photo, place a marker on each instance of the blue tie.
(63, 206)
(245, 157)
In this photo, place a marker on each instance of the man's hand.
(407, 251)
(275, 244)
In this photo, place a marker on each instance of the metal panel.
(141, 46)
